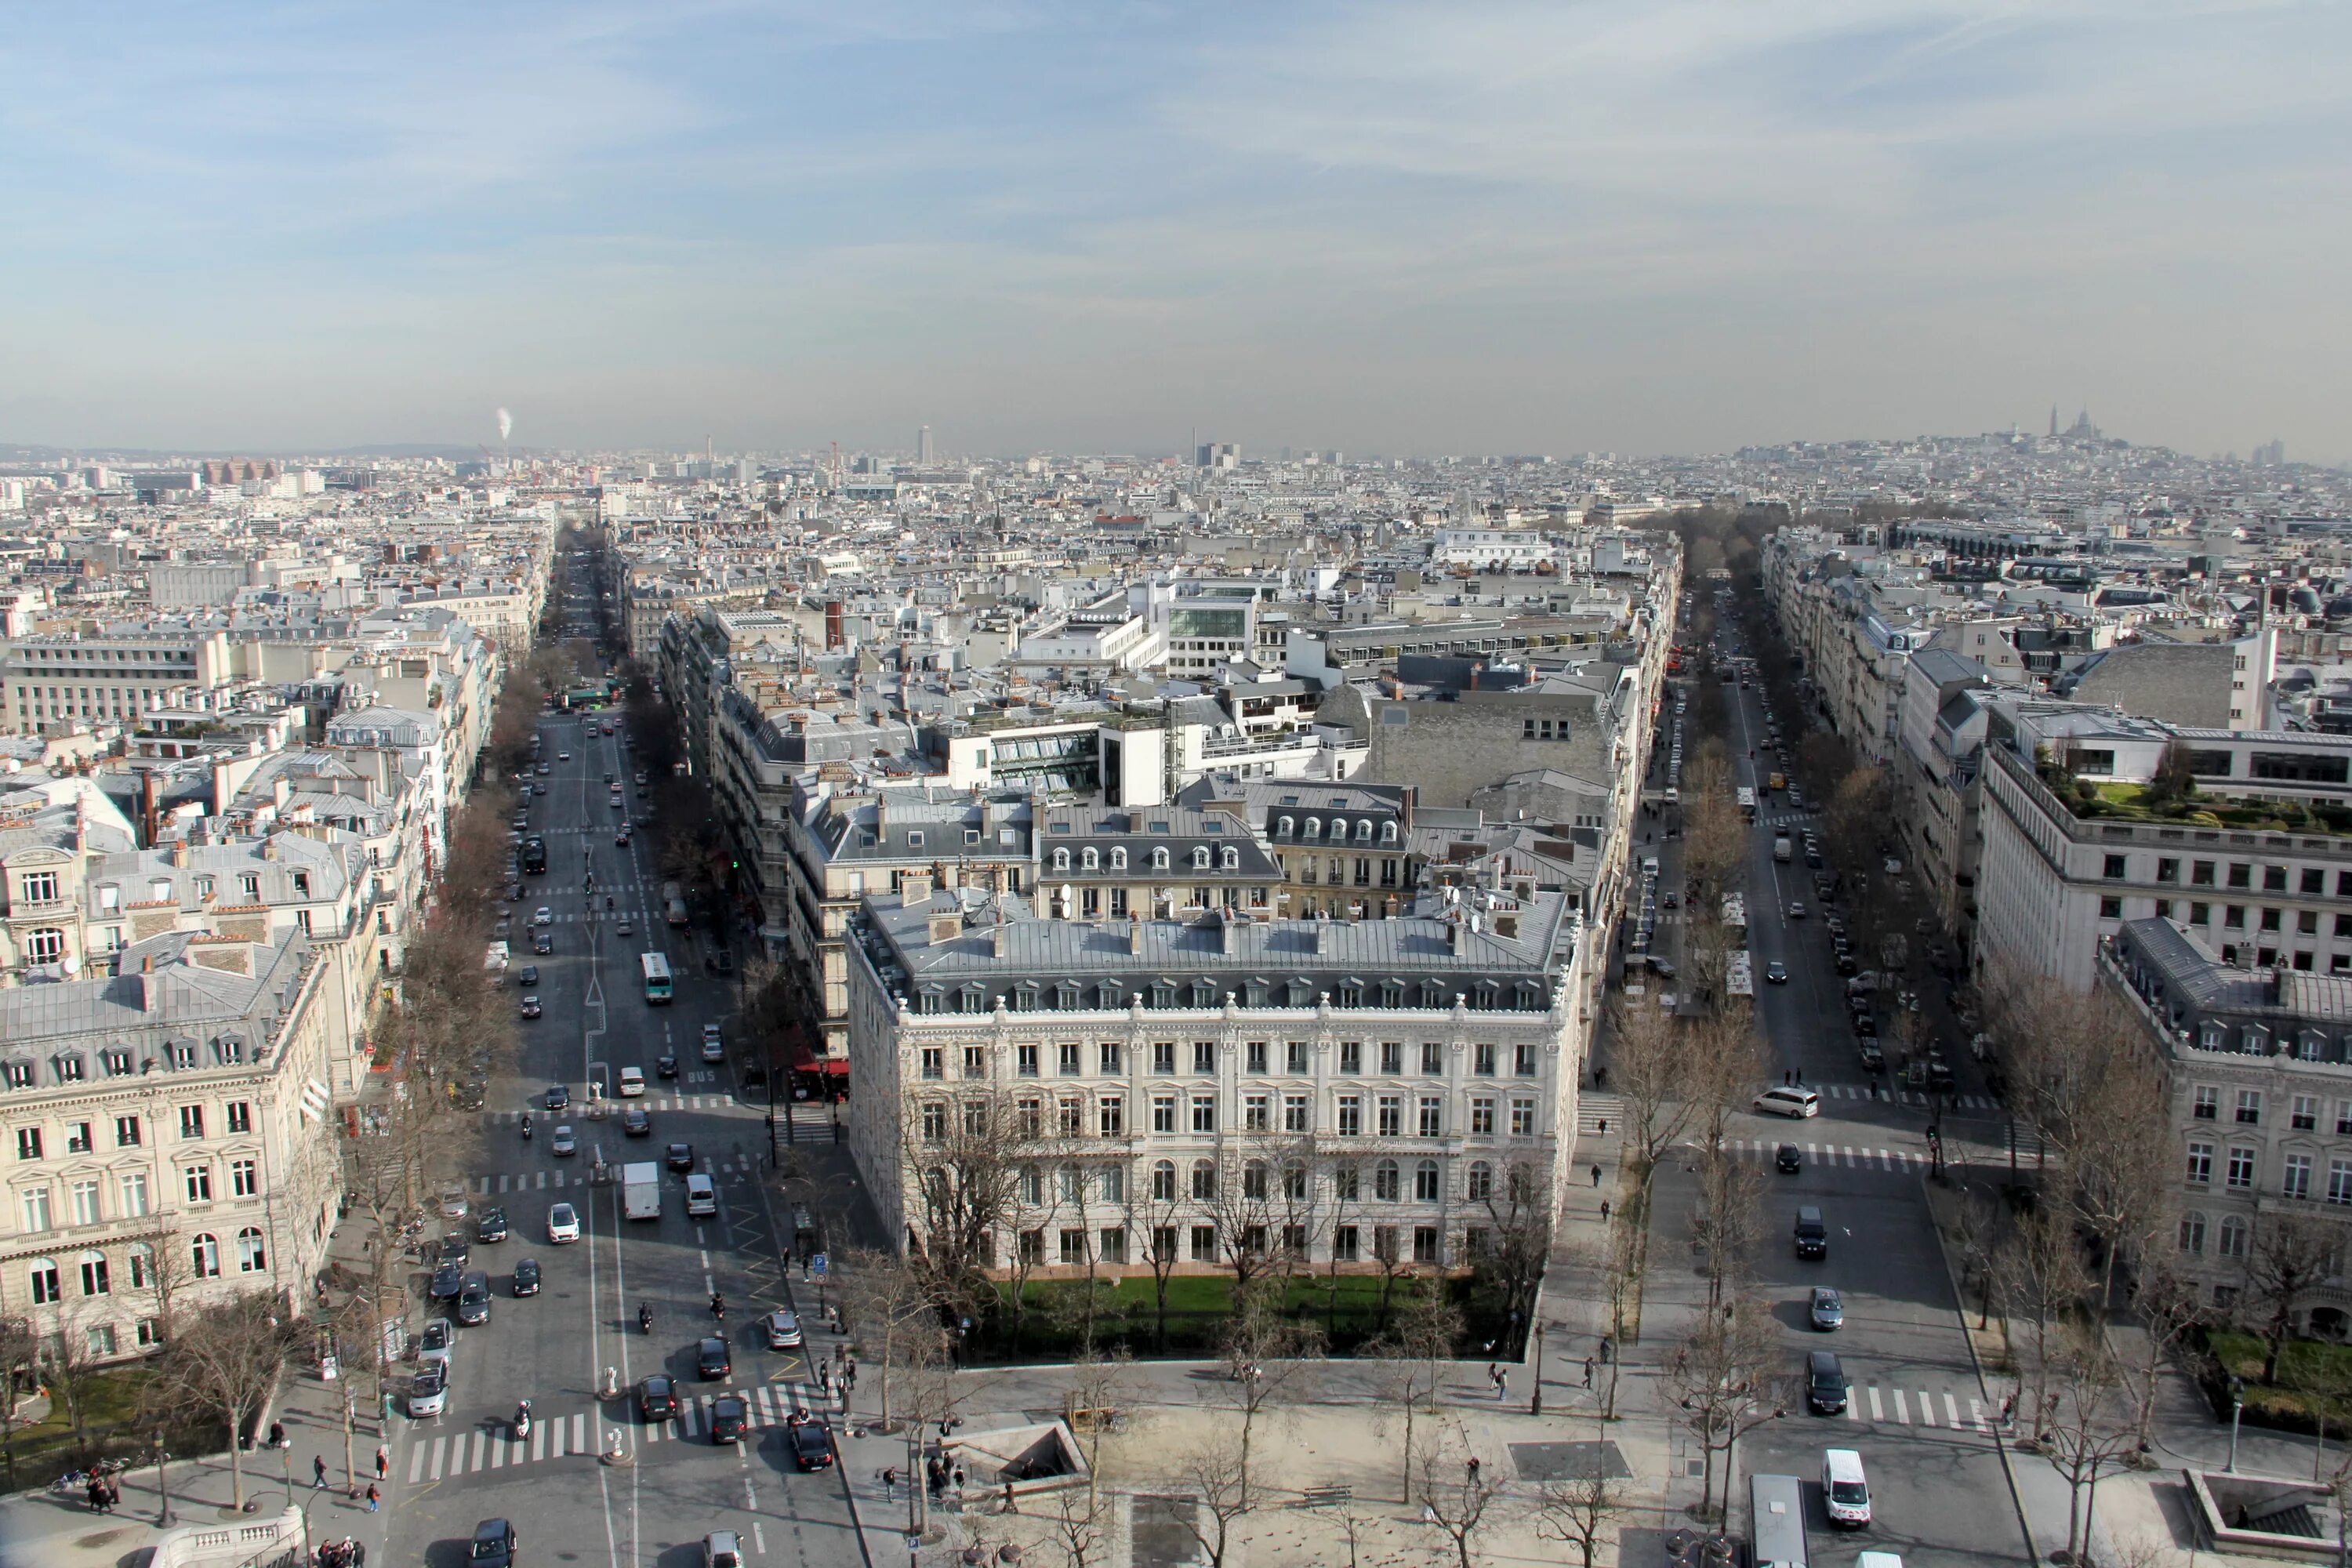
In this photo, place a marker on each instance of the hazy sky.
(1630, 224)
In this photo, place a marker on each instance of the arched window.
(141, 1259)
(1424, 1181)
(1313, 827)
(2192, 1232)
(1294, 1180)
(1364, 831)
(1160, 858)
(1089, 859)
(1387, 832)
(1118, 859)
(1284, 828)
(1204, 1180)
(1481, 1180)
(2234, 1237)
(1163, 1182)
(204, 1255)
(43, 1274)
(1253, 1179)
(1385, 1183)
(1201, 857)
(46, 945)
(1230, 858)
(1061, 860)
(94, 1277)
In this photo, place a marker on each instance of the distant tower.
(923, 448)
(2053, 422)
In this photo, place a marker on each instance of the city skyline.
(1499, 228)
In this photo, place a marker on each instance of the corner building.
(1309, 1091)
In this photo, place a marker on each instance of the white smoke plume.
(506, 424)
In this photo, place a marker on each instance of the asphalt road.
(464, 1465)
(1915, 1412)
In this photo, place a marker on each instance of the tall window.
(83, 1197)
(240, 1116)
(94, 1280)
(1387, 1182)
(192, 1122)
(244, 1178)
(42, 1274)
(1163, 1182)
(1432, 1117)
(133, 1186)
(203, 1256)
(1424, 1181)
(1204, 1181)
(1481, 1184)
(32, 1204)
(29, 1142)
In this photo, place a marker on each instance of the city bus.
(657, 968)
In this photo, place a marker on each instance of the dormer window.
(1204, 994)
(914, 839)
(1387, 832)
(69, 1065)
(1230, 859)
(1364, 831)
(228, 1050)
(1061, 860)
(1088, 858)
(1160, 858)
(1109, 994)
(1066, 996)
(1201, 857)
(115, 1061)
(1314, 829)
(17, 1075)
(1118, 859)
(1284, 828)
(180, 1054)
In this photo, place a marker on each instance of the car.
(544, 770)
(679, 1157)
(562, 756)
(526, 1276)
(538, 789)
(1775, 973)
(1812, 1233)
(1782, 1100)
(714, 1045)
(1844, 963)
(542, 942)
(636, 1123)
(710, 1358)
(722, 1549)
(622, 837)
(638, 777)
(633, 1083)
(784, 1330)
(494, 1545)
(724, 960)
(730, 1417)
(491, 1227)
(608, 777)
(666, 1064)
(542, 916)
(434, 1343)
(1787, 1160)
(1813, 859)
(447, 1280)
(1796, 795)
(456, 1248)
(563, 1140)
(428, 1391)
(656, 1398)
(1827, 1309)
(1663, 967)
(474, 1298)
(1825, 1383)
(1673, 900)
(811, 1445)
(1845, 1491)
(529, 1007)
(1864, 1023)
(1873, 1058)
(558, 1097)
(1796, 909)
(625, 927)
(453, 1200)
(529, 975)
(562, 1224)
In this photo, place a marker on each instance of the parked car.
(474, 1298)
(447, 1280)
(491, 1227)
(434, 1344)
(428, 1391)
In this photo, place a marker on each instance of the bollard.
(611, 1382)
(614, 1453)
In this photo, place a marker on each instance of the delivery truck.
(641, 1190)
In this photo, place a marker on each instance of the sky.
(1448, 227)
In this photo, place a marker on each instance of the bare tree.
(2043, 1280)
(1723, 1378)
(2290, 1255)
(1100, 1386)
(1729, 1219)
(17, 1373)
(1652, 1063)
(1265, 1360)
(2086, 1432)
(1411, 1363)
(979, 1154)
(1077, 1528)
(1582, 1510)
(1455, 1492)
(887, 1303)
(223, 1360)
(1516, 1214)
(1218, 1475)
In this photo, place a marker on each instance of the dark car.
(530, 975)
(666, 1064)
(474, 1298)
(679, 1157)
(725, 960)
(656, 1398)
(1825, 1383)
(494, 1545)
(529, 1007)
(636, 1123)
(729, 1416)
(491, 1227)
(811, 1445)
(710, 1359)
(526, 1278)
(454, 1248)
(447, 1280)
(558, 1097)
(1789, 1160)
(542, 942)
(1812, 1233)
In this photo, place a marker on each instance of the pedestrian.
(849, 1377)
(957, 1477)
(1600, 1077)
(1471, 1465)
(889, 1483)
(1588, 1371)
(1493, 1375)
(1502, 1386)
(96, 1489)
(375, 1496)
(805, 1267)
(382, 1461)
(1605, 1127)
(1596, 1176)
(1604, 1211)
(824, 1379)
(1607, 1350)
(278, 1433)
(318, 1473)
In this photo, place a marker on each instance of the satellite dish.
(70, 965)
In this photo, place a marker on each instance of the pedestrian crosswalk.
(439, 1455)
(579, 1113)
(574, 1176)
(1918, 1407)
(1899, 1095)
(1851, 1156)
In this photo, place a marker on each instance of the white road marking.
(1876, 1412)
(1902, 1411)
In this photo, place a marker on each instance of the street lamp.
(162, 1482)
(2237, 1408)
(1535, 1402)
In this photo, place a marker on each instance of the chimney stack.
(1135, 937)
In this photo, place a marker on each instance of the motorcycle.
(646, 1320)
(523, 1420)
(717, 1308)
(608, 901)
(526, 1129)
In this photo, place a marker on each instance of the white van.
(633, 1083)
(701, 1195)
(1844, 1489)
(1783, 1101)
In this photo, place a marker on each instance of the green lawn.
(113, 1423)
(1198, 1306)
(2303, 1365)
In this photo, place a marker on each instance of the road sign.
(817, 1265)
